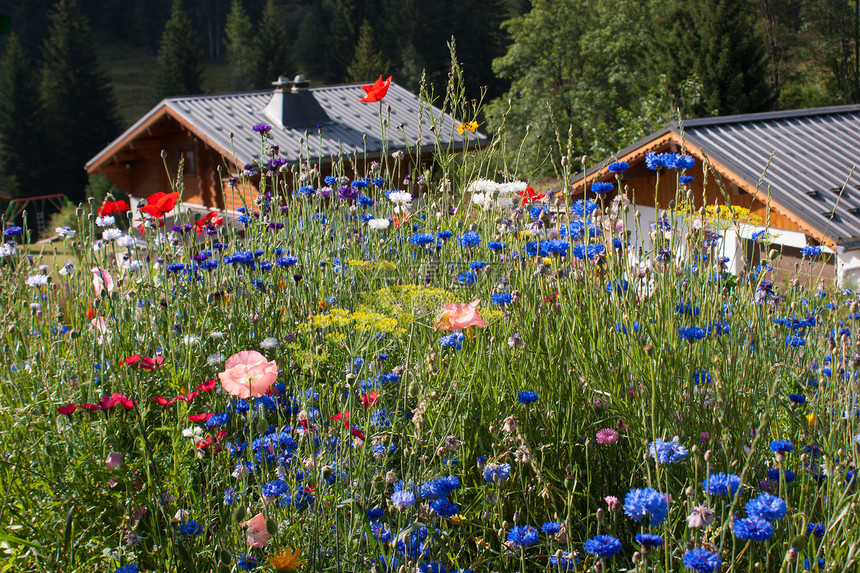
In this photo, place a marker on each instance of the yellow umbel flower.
(287, 561)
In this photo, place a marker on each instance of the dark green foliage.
(342, 38)
(368, 62)
(240, 46)
(309, 58)
(715, 42)
(836, 45)
(477, 28)
(21, 136)
(272, 51)
(79, 109)
(179, 57)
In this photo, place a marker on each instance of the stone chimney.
(294, 105)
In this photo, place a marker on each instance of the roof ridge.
(324, 87)
(766, 116)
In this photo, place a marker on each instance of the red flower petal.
(376, 91)
(163, 401)
(208, 385)
(67, 410)
(200, 417)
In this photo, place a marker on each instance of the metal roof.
(225, 121)
(802, 157)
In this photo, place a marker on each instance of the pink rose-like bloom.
(113, 461)
(612, 502)
(102, 280)
(247, 374)
(457, 316)
(257, 534)
(607, 436)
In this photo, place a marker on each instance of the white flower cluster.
(487, 194)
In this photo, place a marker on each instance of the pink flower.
(607, 436)
(113, 461)
(257, 534)
(248, 374)
(457, 316)
(102, 280)
(612, 502)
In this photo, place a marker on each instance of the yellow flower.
(810, 419)
(547, 261)
(469, 126)
(286, 561)
(458, 519)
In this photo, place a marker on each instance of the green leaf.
(5, 23)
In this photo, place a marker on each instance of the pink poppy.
(247, 374)
(102, 280)
(257, 534)
(113, 461)
(457, 316)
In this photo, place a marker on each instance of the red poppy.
(67, 410)
(91, 407)
(367, 400)
(200, 417)
(376, 91)
(205, 443)
(131, 360)
(147, 363)
(91, 313)
(355, 432)
(530, 195)
(159, 204)
(211, 218)
(112, 207)
(208, 385)
(187, 398)
(162, 401)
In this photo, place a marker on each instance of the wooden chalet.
(318, 125)
(792, 169)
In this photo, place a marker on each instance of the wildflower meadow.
(402, 367)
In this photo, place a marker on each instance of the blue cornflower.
(753, 528)
(655, 161)
(497, 472)
(422, 239)
(684, 162)
(646, 503)
(444, 235)
(702, 560)
(469, 239)
(649, 540)
(685, 179)
(691, 333)
(191, 528)
(453, 340)
(330, 181)
(583, 208)
(262, 128)
(218, 419)
(128, 569)
(766, 506)
(806, 564)
(286, 261)
(523, 536)
(816, 529)
(13, 231)
(467, 278)
(811, 251)
(566, 561)
(795, 340)
(722, 484)
(501, 298)
(229, 496)
(797, 398)
(536, 211)
(402, 499)
(617, 286)
(246, 562)
(497, 246)
(582, 252)
(603, 546)
(443, 507)
(781, 446)
(618, 167)
(477, 265)
(773, 475)
(600, 187)
(667, 452)
(527, 397)
(306, 191)
(551, 528)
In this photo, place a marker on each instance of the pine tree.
(240, 45)
(715, 43)
(272, 53)
(179, 57)
(21, 137)
(80, 114)
(343, 38)
(309, 58)
(368, 62)
(480, 39)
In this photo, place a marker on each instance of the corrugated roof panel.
(216, 116)
(812, 151)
